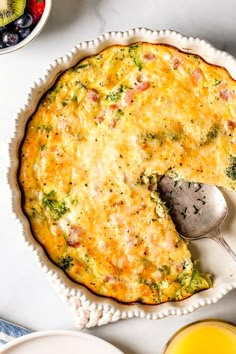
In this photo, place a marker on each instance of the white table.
(26, 297)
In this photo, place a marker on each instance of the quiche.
(94, 151)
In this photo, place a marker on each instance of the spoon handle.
(221, 241)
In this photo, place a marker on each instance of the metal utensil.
(198, 210)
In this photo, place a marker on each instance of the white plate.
(59, 342)
(88, 308)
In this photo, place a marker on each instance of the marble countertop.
(26, 296)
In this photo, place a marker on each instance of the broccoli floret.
(133, 50)
(57, 209)
(211, 135)
(115, 95)
(65, 262)
(231, 169)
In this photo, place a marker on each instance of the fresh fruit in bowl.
(36, 8)
(10, 10)
(18, 18)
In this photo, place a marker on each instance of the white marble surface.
(26, 297)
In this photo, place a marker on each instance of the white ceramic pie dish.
(212, 258)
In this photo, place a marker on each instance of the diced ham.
(113, 106)
(129, 96)
(149, 56)
(144, 145)
(176, 63)
(99, 118)
(229, 125)
(139, 79)
(113, 123)
(142, 86)
(196, 76)
(75, 236)
(139, 86)
(227, 95)
(92, 95)
(179, 267)
(110, 278)
(224, 95)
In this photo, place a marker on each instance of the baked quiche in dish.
(94, 151)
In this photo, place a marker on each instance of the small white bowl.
(37, 29)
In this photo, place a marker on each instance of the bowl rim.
(35, 32)
(81, 295)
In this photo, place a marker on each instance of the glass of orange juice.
(203, 337)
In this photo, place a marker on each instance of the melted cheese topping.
(108, 128)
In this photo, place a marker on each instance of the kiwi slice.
(10, 10)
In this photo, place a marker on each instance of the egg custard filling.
(97, 144)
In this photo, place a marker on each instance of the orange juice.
(204, 337)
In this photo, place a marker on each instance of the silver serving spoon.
(198, 210)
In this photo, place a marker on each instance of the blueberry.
(24, 32)
(3, 29)
(10, 38)
(24, 21)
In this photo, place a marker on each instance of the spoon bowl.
(198, 210)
